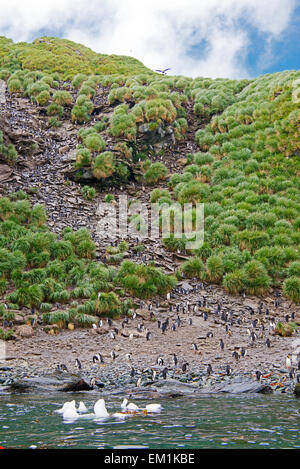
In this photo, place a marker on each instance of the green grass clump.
(194, 267)
(144, 281)
(7, 152)
(156, 172)
(88, 193)
(104, 165)
(6, 334)
(291, 288)
(62, 98)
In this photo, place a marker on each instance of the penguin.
(139, 381)
(190, 321)
(175, 359)
(268, 343)
(160, 361)
(148, 335)
(228, 370)
(62, 367)
(243, 352)
(100, 323)
(195, 347)
(78, 363)
(258, 375)
(113, 355)
(184, 367)
(222, 344)
(292, 373)
(132, 372)
(235, 355)
(173, 327)
(209, 369)
(128, 356)
(112, 335)
(209, 335)
(96, 358)
(163, 327)
(164, 373)
(109, 321)
(288, 361)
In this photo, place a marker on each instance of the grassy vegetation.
(245, 169)
(67, 58)
(7, 152)
(38, 270)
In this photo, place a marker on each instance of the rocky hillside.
(79, 128)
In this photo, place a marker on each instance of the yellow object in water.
(145, 412)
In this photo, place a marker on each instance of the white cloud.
(159, 33)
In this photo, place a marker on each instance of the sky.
(212, 38)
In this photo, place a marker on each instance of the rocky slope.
(196, 312)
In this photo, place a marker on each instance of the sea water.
(212, 421)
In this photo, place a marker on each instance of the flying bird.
(163, 71)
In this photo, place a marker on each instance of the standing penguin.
(78, 363)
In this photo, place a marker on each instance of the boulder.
(24, 331)
(241, 385)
